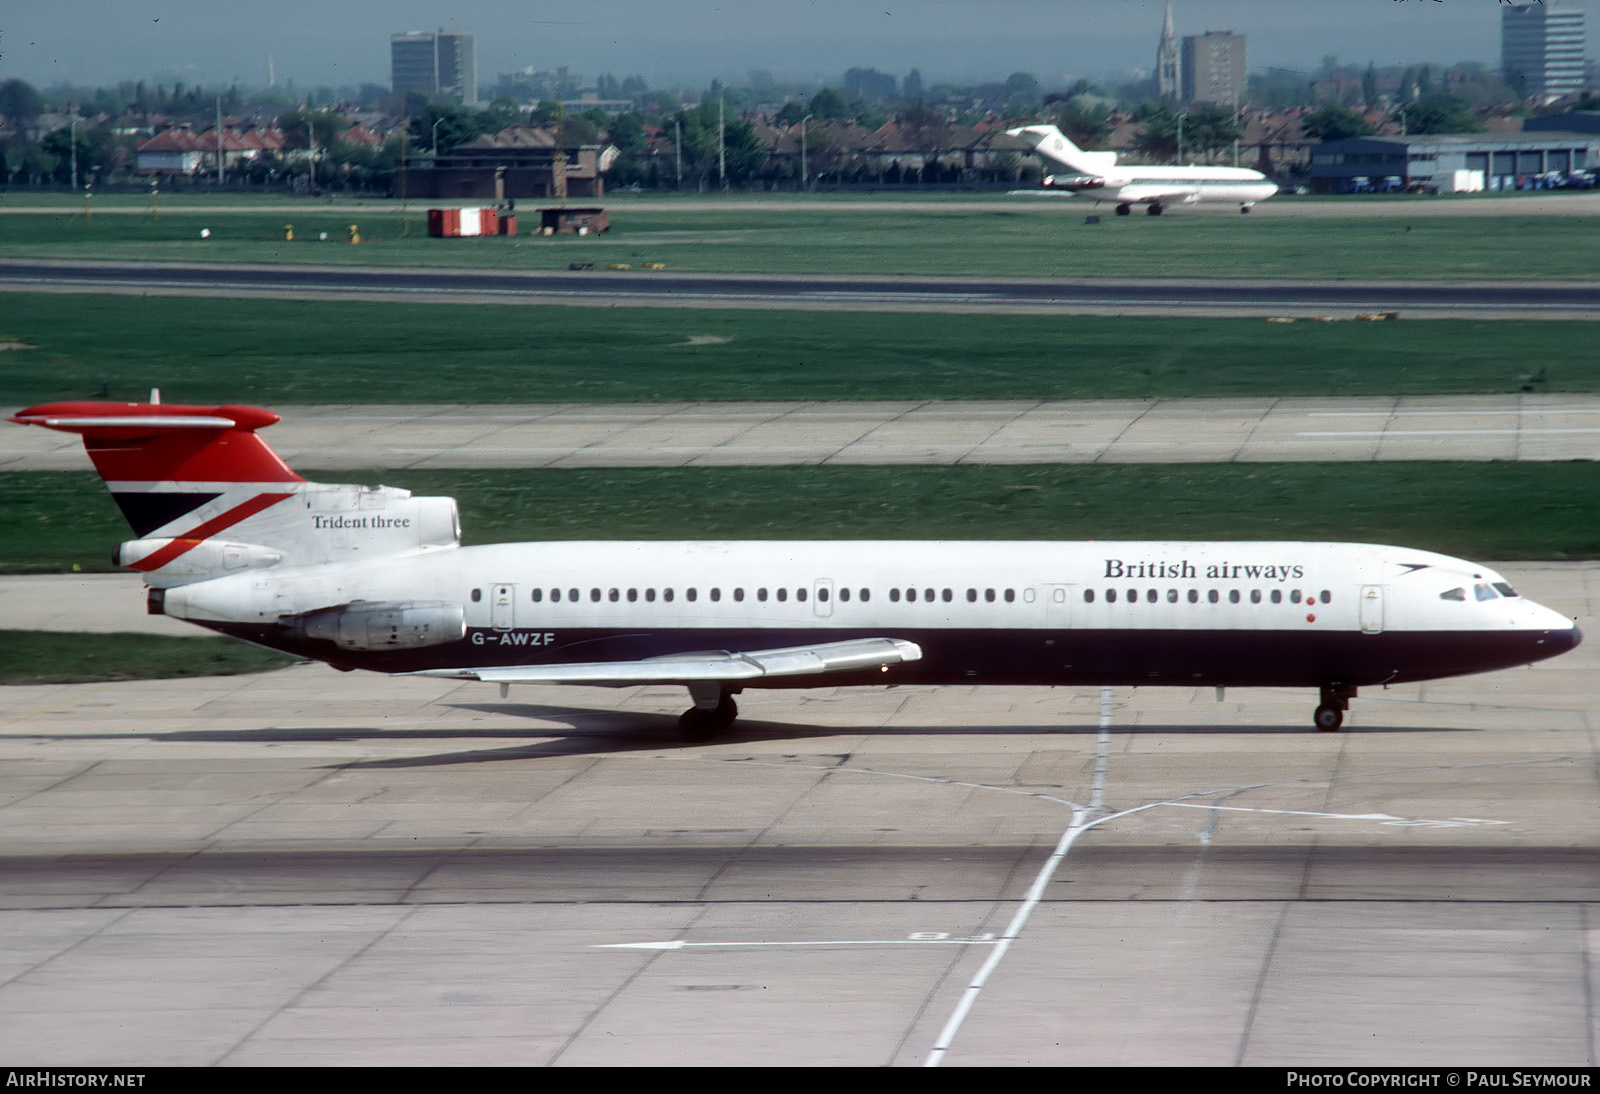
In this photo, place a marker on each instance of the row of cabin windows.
(649, 596)
(1212, 596)
(780, 594)
(927, 595)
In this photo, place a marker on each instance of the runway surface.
(1531, 426)
(322, 868)
(1478, 300)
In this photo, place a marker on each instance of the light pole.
(436, 126)
(804, 174)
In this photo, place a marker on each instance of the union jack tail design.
(205, 495)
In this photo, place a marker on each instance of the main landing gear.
(1154, 209)
(714, 711)
(1335, 701)
(1124, 209)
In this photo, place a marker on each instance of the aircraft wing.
(707, 666)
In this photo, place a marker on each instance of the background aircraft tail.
(206, 496)
(1053, 145)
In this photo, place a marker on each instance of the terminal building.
(1450, 162)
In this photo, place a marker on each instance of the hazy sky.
(341, 42)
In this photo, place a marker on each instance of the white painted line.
(681, 945)
(1446, 432)
(1447, 412)
(1012, 931)
(1080, 824)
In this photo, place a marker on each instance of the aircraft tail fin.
(1053, 145)
(205, 495)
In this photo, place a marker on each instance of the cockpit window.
(1454, 594)
(1505, 590)
(1483, 592)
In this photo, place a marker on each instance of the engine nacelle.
(1073, 182)
(385, 625)
(187, 558)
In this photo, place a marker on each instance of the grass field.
(46, 657)
(52, 521)
(281, 352)
(989, 236)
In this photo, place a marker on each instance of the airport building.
(517, 162)
(1211, 68)
(434, 64)
(1543, 43)
(1451, 162)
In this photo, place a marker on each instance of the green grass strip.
(281, 352)
(55, 521)
(990, 235)
(49, 657)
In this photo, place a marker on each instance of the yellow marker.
(288, 233)
(355, 234)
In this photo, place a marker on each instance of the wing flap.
(710, 666)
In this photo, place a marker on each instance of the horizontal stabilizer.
(715, 665)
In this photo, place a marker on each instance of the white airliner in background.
(229, 538)
(1098, 175)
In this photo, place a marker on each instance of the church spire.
(1167, 62)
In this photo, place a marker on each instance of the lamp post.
(804, 174)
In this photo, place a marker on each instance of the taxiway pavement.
(1514, 426)
(315, 867)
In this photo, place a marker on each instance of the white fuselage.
(1181, 185)
(1145, 612)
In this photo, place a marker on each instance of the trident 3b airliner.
(1098, 175)
(229, 538)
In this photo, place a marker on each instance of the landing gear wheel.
(1335, 700)
(1124, 210)
(1155, 209)
(702, 724)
